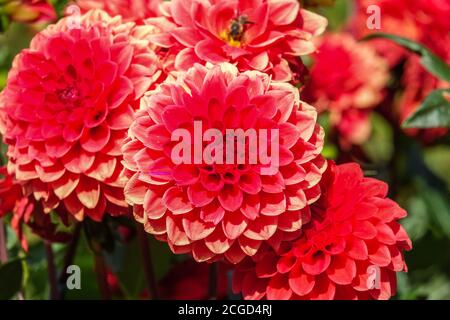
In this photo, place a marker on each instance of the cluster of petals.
(263, 35)
(25, 211)
(223, 210)
(69, 101)
(347, 79)
(129, 10)
(352, 248)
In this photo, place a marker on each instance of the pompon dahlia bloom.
(28, 11)
(351, 249)
(264, 35)
(215, 210)
(69, 101)
(347, 79)
(130, 10)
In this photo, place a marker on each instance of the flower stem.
(212, 289)
(68, 259)
(101, 273)
(147, 262)
(51, 268)
(3, 248)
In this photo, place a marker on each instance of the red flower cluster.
(10, 192)
(69, 101)
(347, 79)
(222, 209)
(351, 249)
(424, 21)
(264, 35)
(129, 10)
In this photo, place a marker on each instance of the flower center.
(69, 94)
(234, 35)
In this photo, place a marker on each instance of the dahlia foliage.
(239, 133)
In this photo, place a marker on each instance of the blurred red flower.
(130, 10)
(348, 80)
(262, 35)
(189, 280)
(69, 101)
(221, 210)
(25, 211)
(351, 249)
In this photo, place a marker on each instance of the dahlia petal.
(188, 37)
(323, 289)
(209, 51)
(300, 282)
(88, 192)
(262, 228)
(278, 288)
(198, 196)
(200, 252)
(289, 134)
(250, 183)
(153, 205)
(342, 270)
(158, 137)
(135, 190)
(364, 230)
(95, 139)
(249, 246)
(231, 198)
(217, 242)
(266, 266)
(185, 174)
(252, 287)
(317, 263)
(212, 212)
(121, 118)
(234, 225)
(176, 201)
(283, 12)
(379, 254)
(195, 228)
(251, 206)
(57, 147)
(357, 249)
(175, 116)
(175, 231)
(273, 204)
(65, 186)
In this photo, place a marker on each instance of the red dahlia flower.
(347, 79)
(69, 101)
(351, 249)
(222, 209)
(10, 192)
(265, 35)
(130, 10)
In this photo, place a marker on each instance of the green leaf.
(434, 112)
(10, 279)
(429, 61)
(437, 159)
(380, 147)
